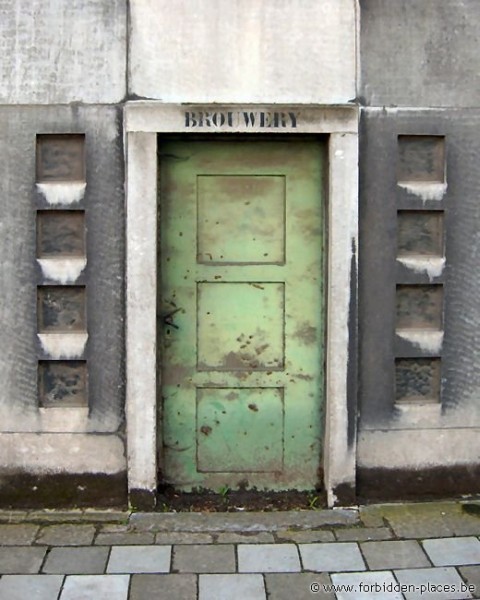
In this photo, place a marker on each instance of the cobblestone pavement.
(410, 551)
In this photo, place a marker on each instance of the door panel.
(241, 303)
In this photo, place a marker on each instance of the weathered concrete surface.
(247, 51)
(381, 197)
(59, 51)
(61, 451)
(420, 53)
(437, 442)
(248, 522)
(427, 519)
(103, 206)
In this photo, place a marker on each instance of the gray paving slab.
(298, 586)
(429, 519)
(233, 587)
(163, 587)
(204, 559)
(263, 537)
(305, 537)
(18, 535)
(66, 535)
(77, 561)
(56, 516)
(21, 560)
(333, 557)
(453, 551)
(359, 534)
(371, 516)
(115, 528)
(95, 587)
(471, 575)
(139, 559)
(432, 584)
(13, 516)
(181, 537)
(124, 539)
(33, 587)
(395, 554)
(377, 585)
(105, 516)
(251, 521)
(268, 558)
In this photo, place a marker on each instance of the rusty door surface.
(241, 312)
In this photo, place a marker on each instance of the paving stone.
(19, 560)
(56, 516)
(18, 535)
(372, 516)
(432, 584)
(263, 537)
(163, 587)
(359, 534)
(115, 528)
(105, 516)
(337, 556)
(139, 559)
(124, 539)
(268, 558)
(77, 561)
(13, 516)
(204, 559)
(397, 554)
(95, 587)
(66, 535)
(233, 587)
(366, 586)
(298, 586)
(179, 537)
(33, 587)
(306, 537)
(430, 520)
(453, 551)
(471, 575)
(242, 522)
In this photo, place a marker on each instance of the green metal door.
(241, 313)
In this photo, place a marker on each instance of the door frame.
(143, 122)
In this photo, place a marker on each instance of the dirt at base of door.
(170, 500)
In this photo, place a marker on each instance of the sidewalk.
(431, 549)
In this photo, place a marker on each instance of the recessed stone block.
(62, 383)
(420, 233)
(417, 379)
(60, 233)
(61, 309)
(60, 158)
(419, 306)
(421, 158)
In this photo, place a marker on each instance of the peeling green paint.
(242, 313)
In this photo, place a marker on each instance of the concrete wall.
(420, 55)
(69, 66)
(246, 51)
(61, 51)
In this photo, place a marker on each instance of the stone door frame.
(143, 121)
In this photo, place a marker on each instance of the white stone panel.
(417, 448)
(243, 50)
(58, 51)
(62, 452)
